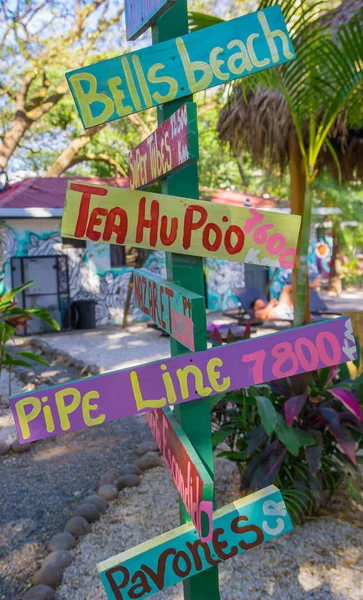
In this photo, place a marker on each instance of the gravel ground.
(40, 488)
(320, 560)
(112, 347)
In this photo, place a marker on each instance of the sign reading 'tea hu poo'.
(179, 67)
(180, 225)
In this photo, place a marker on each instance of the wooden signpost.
(170, 306)
(186, 378)
(180, 554)
(180, 66)
(159, 222)
(174, 144)
(141, 14)
(165, 75)
(190, 476)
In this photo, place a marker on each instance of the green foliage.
(324, 82)
(12, 317)
(306, 444)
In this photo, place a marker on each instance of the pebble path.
(40, 488)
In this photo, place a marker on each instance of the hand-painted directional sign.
(173, 145)
(181, 66)
(178, 554)
(170, 306)
(191, 478)
(173, 224)
(95, 400)
(141, 14)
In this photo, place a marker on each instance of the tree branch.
(103, 157)
(140, 124)
(68, 155)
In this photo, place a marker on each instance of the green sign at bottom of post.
(179, 554)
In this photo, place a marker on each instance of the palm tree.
(297, 113)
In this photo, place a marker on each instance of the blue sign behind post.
(141, 14)
(126, 84)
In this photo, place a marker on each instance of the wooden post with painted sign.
(187, 271)
(188, 230)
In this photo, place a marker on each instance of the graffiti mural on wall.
(222, 277)
(107, 286)
(91, 275)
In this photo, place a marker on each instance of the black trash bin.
(84, 314)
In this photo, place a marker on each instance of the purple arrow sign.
(118, 394)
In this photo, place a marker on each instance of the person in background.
(283, 308)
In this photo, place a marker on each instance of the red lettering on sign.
(113, 585)
(235, 527)
(188, 564)
(285, 261)
(283, 352)
(260, 235)
(151, 302)
(170, 294)
(155, 300)
(220, 545)
(321, 339)
(194, 547)
(112, 226)
(208, 245)
(86, 191)
(146, 310)
(240, 239)
(276, 243)
(143, 223)
(166, 239)
(162, 322)
(251, 222)
(190, 225)
(311, 363)
(159, 577)
(258, 358)
(94, 222)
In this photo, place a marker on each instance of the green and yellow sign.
(126, 84)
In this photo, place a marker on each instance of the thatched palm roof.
(261, 123)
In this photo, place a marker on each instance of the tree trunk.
(13, 136)
(66, 159)
(297, 200)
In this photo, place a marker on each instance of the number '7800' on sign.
(95, 400)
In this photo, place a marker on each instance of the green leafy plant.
(301, 433)
(322, 85)
(13, 317)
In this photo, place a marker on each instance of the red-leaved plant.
(301, 433)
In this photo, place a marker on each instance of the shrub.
(13, 316)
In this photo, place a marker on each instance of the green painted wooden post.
(187, 271)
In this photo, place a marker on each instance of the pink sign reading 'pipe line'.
(118, 394)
